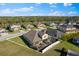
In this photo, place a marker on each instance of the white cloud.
(37, 14)
(67, 4)
(56, 13)
(60, 13)
(51, 10)
(52, 5)
(6, 12)
(16, 11)
(24, 9)
(2, 4)
(72, 13)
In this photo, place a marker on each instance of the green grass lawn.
(64, 44)
(18, 40)
(9, 48)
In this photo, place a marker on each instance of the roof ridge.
(35, 35)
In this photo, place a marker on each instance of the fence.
(50, 46)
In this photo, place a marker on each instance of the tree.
(64, 52)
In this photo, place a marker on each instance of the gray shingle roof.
(67, 26)
(33, 37)
(36, 35)
(30, 35)
(51, 32)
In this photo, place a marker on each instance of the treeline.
(4, 20)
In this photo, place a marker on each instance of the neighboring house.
(41, 39)
(29, 27)
(53, 24)
(60, 23)
(3, 32)
(40, 24)
(47, 23)
(67, 28)
(77, 26)
(77, 23)
(72, 23)
(75, 40)
(14, 27)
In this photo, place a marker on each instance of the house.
(41, 39)
(3, 32)
(77, 23)
(40, 24)
(52, 25)
(34, 40)
(14, 27)
(77, 26)
(59, 23)
(75, 40)
(29, 27)
(72, 23)
(67, 28)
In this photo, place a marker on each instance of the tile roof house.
(41, 39)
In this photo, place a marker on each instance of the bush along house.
(39, 40)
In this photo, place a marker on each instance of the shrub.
(66, 37)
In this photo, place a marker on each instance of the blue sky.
(39, 9)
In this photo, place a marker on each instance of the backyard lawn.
(9, 48)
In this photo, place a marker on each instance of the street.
(9, 36)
